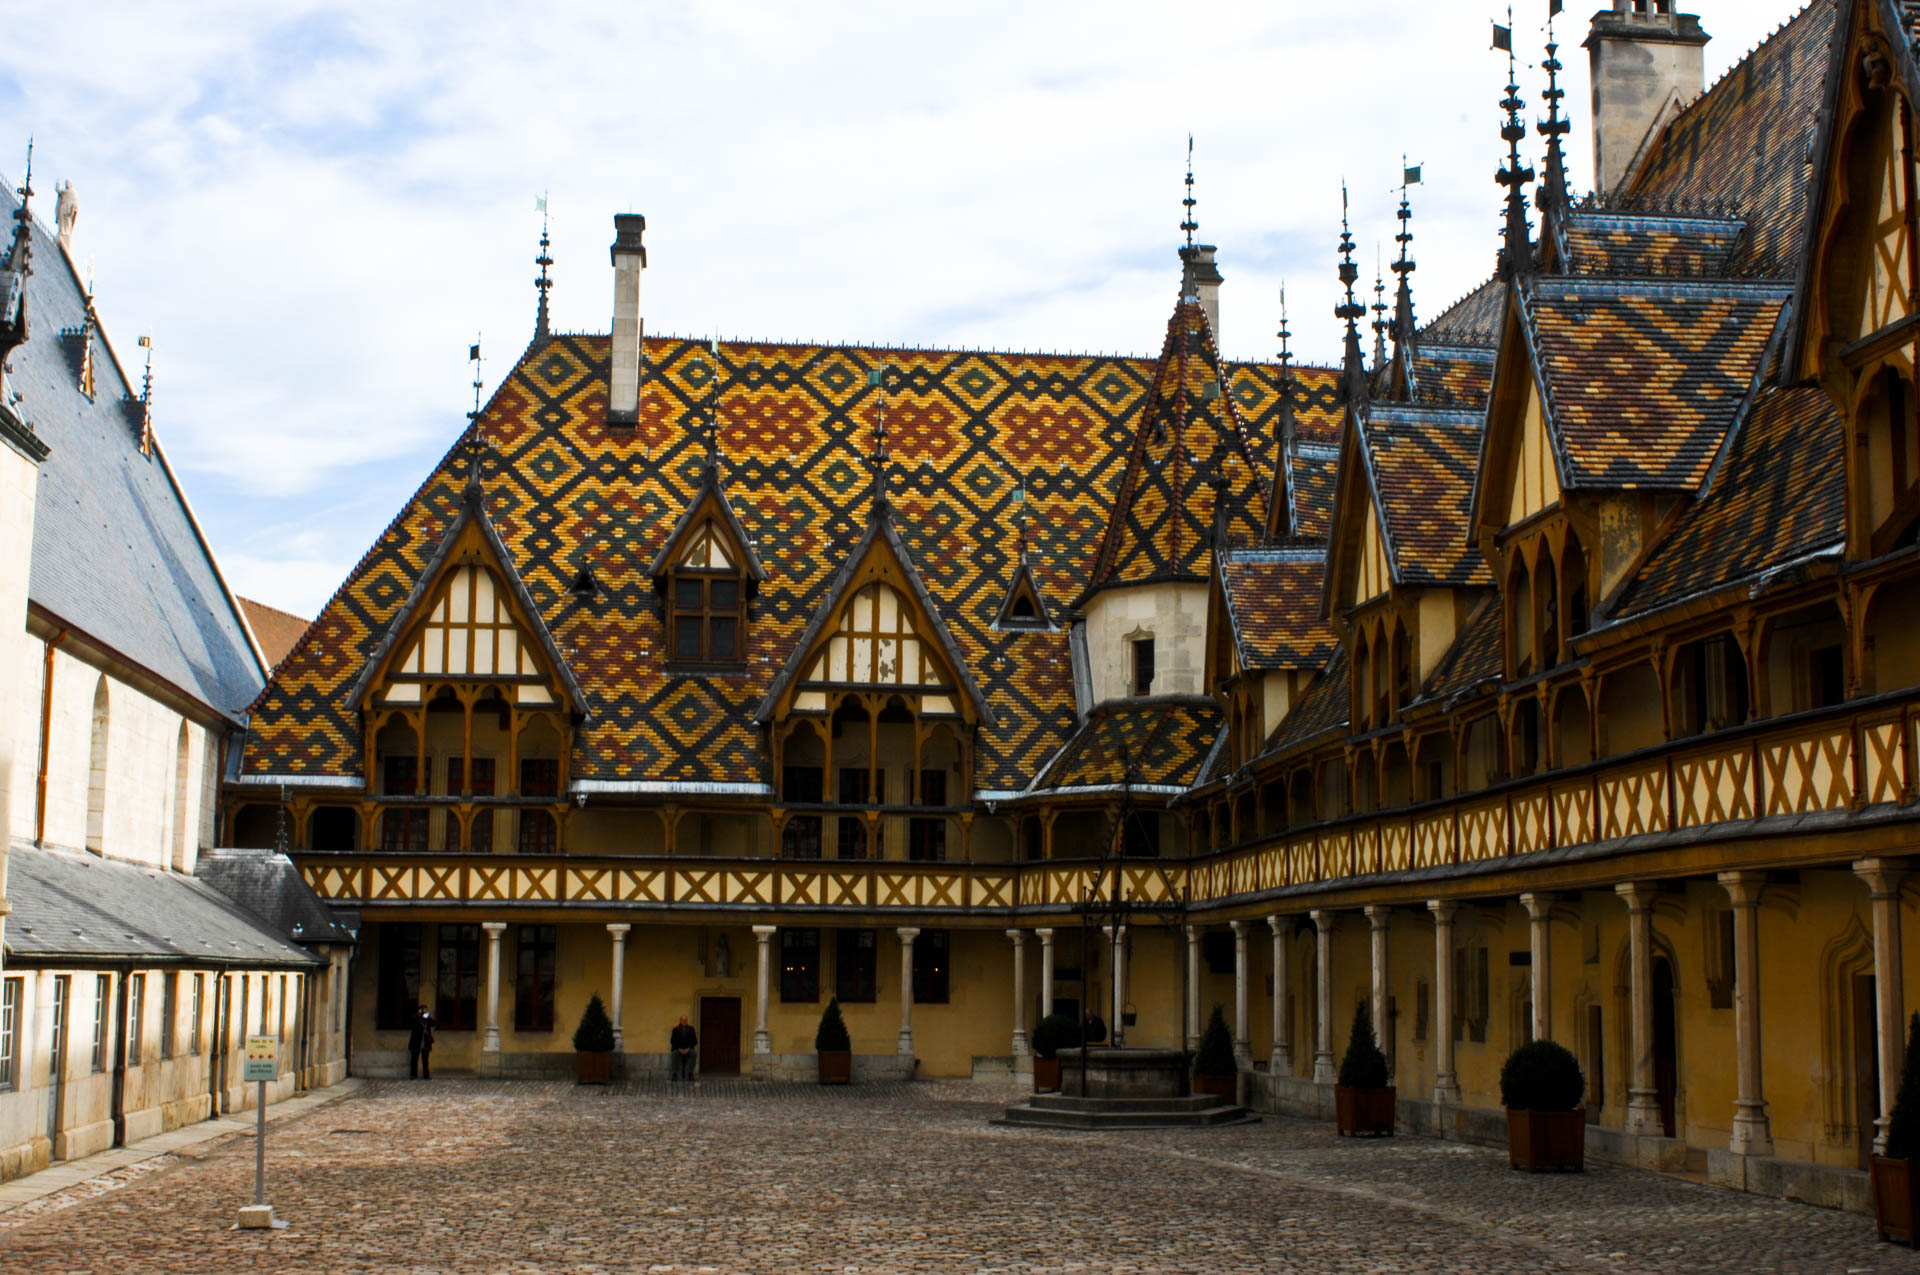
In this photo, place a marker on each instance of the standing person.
(682, 1042)
(420, 1046)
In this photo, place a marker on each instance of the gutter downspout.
(119, 1054)
(46, 737)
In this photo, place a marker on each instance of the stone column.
(1446, 1085)
(1643, 1098)
(1540, 965)
(1193, 987)
(491, 1042)
(1323, 1072)
(1019, 938)
(1116, 1034)
(907, 933)
(1242, 1047)
(1046, 972)
(762, 1038)
(1883, 880)
(1752, 1133)
(1280, 1063)
(619, 931)
(1377, 918)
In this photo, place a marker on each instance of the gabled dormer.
(1023, 608)
(707, 573)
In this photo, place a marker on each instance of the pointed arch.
(97, 770)
(182, 800)
(1846, 1109)
(1023, 607)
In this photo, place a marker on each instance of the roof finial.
(1188, 224)
(1280, 513)
(540, 328)
(20, 262)
(88, 322)
(1554, 195)
(473, 356)
(1020, 515)
(1379, 311)
(877, 458)
(1403, 267)
(146, 397)
(1353, 374)
(1516, 253)
(712, 461)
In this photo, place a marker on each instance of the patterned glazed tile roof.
(1188, 439)
(1643, 380)
(117, 554)
(1166, 737)
(1472, 320)
(1422, 462)
(276, 630)
(563, 490)
(1453, 375)
(1326, 706)
(1475, 656)
(1742, 145)
(1639, 245)
(1780, 496)
(1273, 603)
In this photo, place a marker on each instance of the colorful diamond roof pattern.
(1273, 603)
(1164, 739)
(1422, 462)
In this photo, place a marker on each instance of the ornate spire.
(89, 321)
(1280, 521)
(21, 260)
(540, 328)
(877, 458)
(1554, 196)
(1187, 223)
(1379, 312)
(473, 356)
(1516, 251)
(1403, 267)
(711, 465)
(1353, 373)
(146, 398)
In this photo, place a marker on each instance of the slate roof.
(1643, 380)
(69, 906)
(1273, 604)
(1167, 738)
(274, 629)
(1475, 657)
(1421, 462)
(1742, 146)
(1326, 706)
(1453, 375)
(1629, 244)
(965, 427)
(269, 888)
(1472, 320)
(116, 553)
(1780, 497)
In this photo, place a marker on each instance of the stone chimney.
(1200, 278)
(623, 373)
(1647, 60)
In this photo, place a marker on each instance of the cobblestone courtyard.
(471, 1176)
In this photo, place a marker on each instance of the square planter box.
(1046, 1075)
(1225, 1088)
(1547, 1141)
(1364, 1112)
(1896, 1202)
(593, 1069)
(836, 1066)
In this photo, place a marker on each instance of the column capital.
(765, 932)
(495, 928)
(1239, 928)
(618, 929)
(1537, 905)
(1743, 887)
(1321, 916)
(1019, 937)
(1638, 894)
(1882, 876)
(1193, 932)
(1277, 924)
(1378, 914)
(1443, 910)
(1046, 936)
(907, 933)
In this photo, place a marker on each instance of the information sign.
(263, 1058)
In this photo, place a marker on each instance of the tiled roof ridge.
(1740, 62)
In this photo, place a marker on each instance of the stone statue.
(66, 211)
(722, 958)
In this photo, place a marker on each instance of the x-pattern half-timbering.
(993, 890)
(1273, 868)
(440, 881)
(1483, 830)
(489, 883)
(1336, 853)
(1634, 802)
(1811, 773)
(536, 885)
(1146, 885)
(1532, 826)
(1432, 840)
(1396, 845)
(896, 889)
(641, 885)
(1573, 814)
(1303, 860)
(330, 882)
(392, 883)
(1885, 768)
(1714, 787)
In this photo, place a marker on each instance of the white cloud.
(315, 207)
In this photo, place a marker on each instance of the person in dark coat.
(420, 1046)
(682, 1042)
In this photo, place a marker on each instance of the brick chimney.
(1200, 278)
(623, 372)
(1647, 60)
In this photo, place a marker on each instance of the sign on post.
(263, 1059)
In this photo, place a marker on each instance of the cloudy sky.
(315, 208)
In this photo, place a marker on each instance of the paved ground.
(478, 1176)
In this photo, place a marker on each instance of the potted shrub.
(593, 1045)
(1363, 1101)
(1051, 1034)
(1214, 1070)
(1541, 1088)
(1896, 1188)
(833, 1046)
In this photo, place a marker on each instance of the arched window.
(1403, 684)
(706, 602)
(97, 773)
(1520, 619)
(182, 801)
(1574, 571)
(1547, 601)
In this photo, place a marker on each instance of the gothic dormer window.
(707, 603)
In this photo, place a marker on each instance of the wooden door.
(1665, 1044)
(719, 1035)
(1866, 1067)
